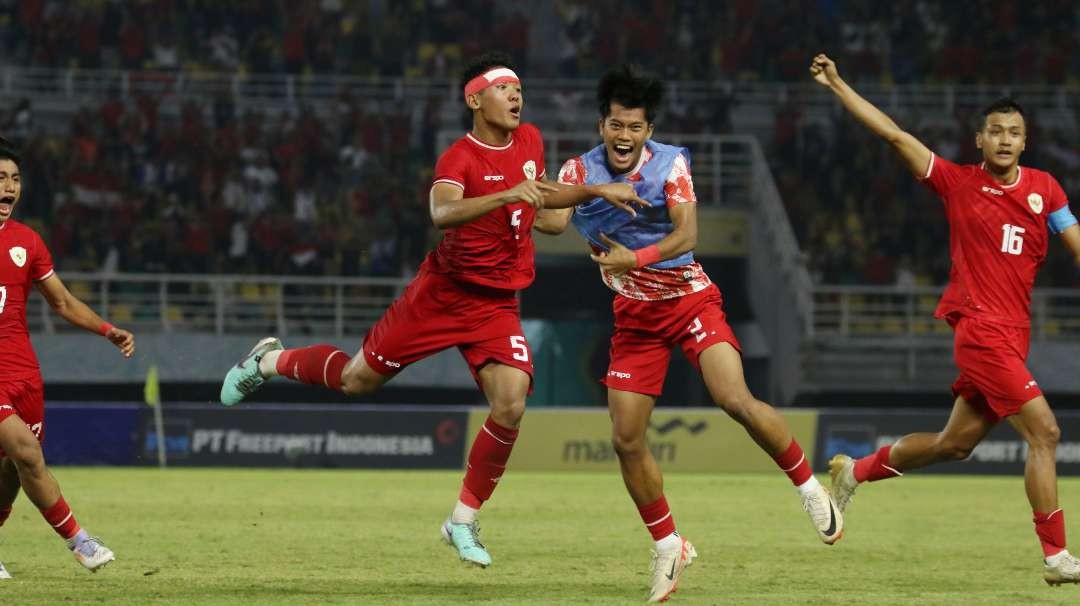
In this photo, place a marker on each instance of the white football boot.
(93, 554)
(842, 472)
(824, 515)
(1064, 569)
(667, 568)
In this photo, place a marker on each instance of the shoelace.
(1070, 565)
(89, 547)
(474, 536)
(812, 505)
(247, 384)
(653, 565)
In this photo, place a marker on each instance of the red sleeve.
(1058, 199)
(942, 175)
(452, 167)
(679, 187)
(572, 172)
(41, 263)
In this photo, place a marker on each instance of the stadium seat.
(121, 313)
(174, 314)
(82, 291)
(250, 293)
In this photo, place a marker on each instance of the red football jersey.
(496, 249)
(24, 259)
(998, 237)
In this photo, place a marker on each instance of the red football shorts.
(645, 332)
(993, 375)
(26, 398)
(435, 313)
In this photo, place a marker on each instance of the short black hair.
(631, 88)
(8, 151)
(1004, 105)
(483, 63)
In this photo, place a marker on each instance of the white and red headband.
(497, 75)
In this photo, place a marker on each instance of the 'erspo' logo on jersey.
(618, 374)
(1035, 201)
(493, 177)
(991, 190)
(18, 255)
(389, 363)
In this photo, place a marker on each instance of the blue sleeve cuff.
(1060, 220)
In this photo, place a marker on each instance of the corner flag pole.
(152, 396)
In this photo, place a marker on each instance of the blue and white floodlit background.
(208, 173)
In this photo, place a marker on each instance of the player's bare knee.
(627, 444)
(356, 384)
(1046, 438)
(27, 456)
(508, 411)
(954, 450)
(738, 406)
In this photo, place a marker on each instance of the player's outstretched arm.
(914, 154)
(449, 207)
(619, 195)
(79, 314)
(559, 205)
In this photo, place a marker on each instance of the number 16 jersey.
(998, 238)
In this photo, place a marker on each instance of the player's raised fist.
(823, 69)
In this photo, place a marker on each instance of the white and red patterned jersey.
(24, 259)
(647, 283)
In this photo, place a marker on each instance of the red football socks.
(1051, 530)
(315, 365)
(874, 467)
(487, 462)
(658, 519)
(793, 462)
(59, 516)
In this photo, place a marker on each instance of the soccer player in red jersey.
(1000, 218)
(487, 191)
(663, 299)
(25, 261)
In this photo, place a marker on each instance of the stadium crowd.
(344, 192)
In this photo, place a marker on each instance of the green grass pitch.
(194, 536)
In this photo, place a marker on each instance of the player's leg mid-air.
(721, 366)
(966, 427)
(504, 386)
(22, 465)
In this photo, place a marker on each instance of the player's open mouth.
(622, 153)
(6, 203)
(515, 112)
